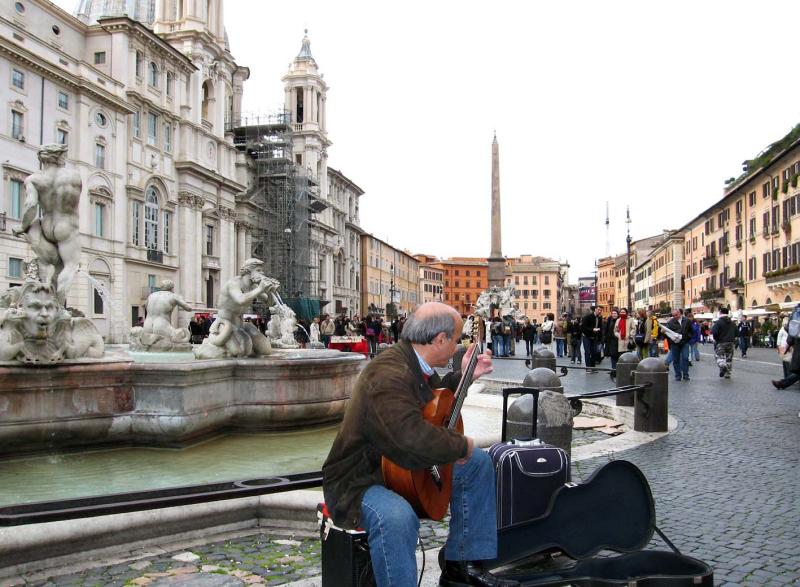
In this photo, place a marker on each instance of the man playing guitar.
(384, 419)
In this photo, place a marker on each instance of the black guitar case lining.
(612, 511)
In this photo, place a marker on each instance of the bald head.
(429, 320)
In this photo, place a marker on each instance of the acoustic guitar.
(428, 490)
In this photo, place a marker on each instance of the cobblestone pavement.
(725, 485)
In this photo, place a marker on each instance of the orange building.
(465, 278)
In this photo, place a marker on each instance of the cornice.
(142, 33)
(210, 175)
(35, 63)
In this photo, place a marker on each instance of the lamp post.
(628, 241)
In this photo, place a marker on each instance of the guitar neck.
(463, 386)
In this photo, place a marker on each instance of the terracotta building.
(464, 280)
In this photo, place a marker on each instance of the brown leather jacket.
(384, 417)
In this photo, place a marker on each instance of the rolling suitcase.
(527, 472)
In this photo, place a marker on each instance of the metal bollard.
(544, 358)
(626, 365)
(651, 404)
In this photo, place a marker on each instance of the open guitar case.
(612, 511)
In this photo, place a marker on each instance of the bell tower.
(305, 97)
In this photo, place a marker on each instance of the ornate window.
(151, 219)
(139, 64)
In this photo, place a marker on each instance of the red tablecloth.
(353, 347)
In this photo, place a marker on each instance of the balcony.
(155, 256)
(739, 244)
(210, 262)
(786, 226)
(735, 284)
(783, 278)
(2, 221)
(712, 294)
(710, 263)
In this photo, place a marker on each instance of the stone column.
(497, 267)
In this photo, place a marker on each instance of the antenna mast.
(608, 234)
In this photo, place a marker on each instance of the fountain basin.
(143, 400)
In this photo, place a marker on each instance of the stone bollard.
(554, 413)
(651, 404)
(544, 358)
(626, 365)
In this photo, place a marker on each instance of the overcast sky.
(647, 104)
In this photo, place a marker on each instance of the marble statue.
(36, 329)
(53, 236)
(281, 327)
(157, 334)
(229, 335)
(500, 298)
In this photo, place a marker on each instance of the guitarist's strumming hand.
(484, 364)
(470, 445)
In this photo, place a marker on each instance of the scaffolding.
(282, 199)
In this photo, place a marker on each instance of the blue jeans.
(743, 345)
(588, 351)
(680, 360)
(498, 347)
(576, 350)
(561, 347)
(529, 348)
(653, 350)
(695, 352)
(392, 525)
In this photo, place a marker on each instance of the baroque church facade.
(140, 91)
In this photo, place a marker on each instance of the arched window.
(769, 300)
(170, 84)
(151, 219)
(787, 299)
(152, 74)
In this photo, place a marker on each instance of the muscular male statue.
(160, 305)
(229, 335)
(54, 237)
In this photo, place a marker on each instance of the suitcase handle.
(520, 391)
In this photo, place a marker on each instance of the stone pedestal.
(544, 358)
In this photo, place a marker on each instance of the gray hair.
(423, 330)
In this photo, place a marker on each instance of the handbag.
(546, 337)
(370, 332)
(639, 338)
(631, 345)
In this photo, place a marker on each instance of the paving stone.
(198, 580)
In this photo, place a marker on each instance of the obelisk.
(497, 263)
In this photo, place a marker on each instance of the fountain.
(163, 392)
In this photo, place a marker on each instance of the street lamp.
(628, 241)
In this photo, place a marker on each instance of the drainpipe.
(41, 117)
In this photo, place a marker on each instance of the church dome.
(143, 11)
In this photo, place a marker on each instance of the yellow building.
(606, 283)
(744, 251)
(388, 275)
(539, 285)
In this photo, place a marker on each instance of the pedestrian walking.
(724, 332)
(372, 330)
(560, 334)
(694, 352)
(651, 334)
(610, 342)
(641, 329)
(528, 335)
(591, 325)
(624, 334)
(743, 332)
(681, 331)
(575, 341)
(548, 327)
(498, 348)
(326, 329)
(785, 347)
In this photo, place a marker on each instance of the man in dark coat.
(680, 349)
(724, 331)
(591, 331)
(384, 419)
